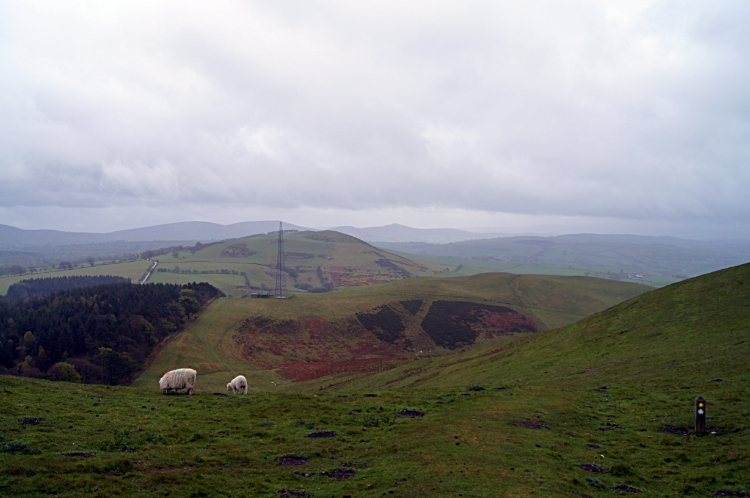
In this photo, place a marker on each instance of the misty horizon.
(571, 117)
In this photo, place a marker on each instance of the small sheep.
(237, 384)
(183, 378)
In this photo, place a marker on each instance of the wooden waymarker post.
(700, 415)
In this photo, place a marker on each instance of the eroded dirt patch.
(340, 473)
(322, 434)
(626, 489)
(531, 423)
(292, 493)
(411, 413)
(671, 429)
(79, 454)
(292, 460)
(32, 420)
(593, 468)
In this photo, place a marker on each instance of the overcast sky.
(625, 116)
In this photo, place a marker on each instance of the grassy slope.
(677, 341)
(346, 260)
(133, 270)
(693, 330)
(208, 343)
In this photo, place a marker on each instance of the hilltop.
(358, 331)
(315, 261)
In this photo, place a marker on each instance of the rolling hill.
(357, 331)
(601, 407)
(686, 334)
(314, 261)
(184, 231)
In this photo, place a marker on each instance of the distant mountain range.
(401, 233)
(191, 231)
(663, 255)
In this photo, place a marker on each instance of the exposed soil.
(292, 460)
(289, 493)
(369, 395)
(724, 492)
(530, 424)
(221, 394)
(322, 434)
(671, 429)
(455, 324)
(610, 427)
(340, 473)
(626, 489)
(593, 468)
(594, 446)
(32, 420)
(356, 410)
(411, 413)
(79, 454)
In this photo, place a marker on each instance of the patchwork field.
(314, 260)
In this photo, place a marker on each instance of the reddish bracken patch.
(311, 348)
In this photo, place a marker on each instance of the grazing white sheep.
(182, 378)
(237, 384)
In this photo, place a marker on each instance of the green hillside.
(602, 407)
(682, 335)
(361, 330)
(314, 260)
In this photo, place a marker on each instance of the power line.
(280, 269)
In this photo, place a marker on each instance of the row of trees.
(46, 264)
(105, 332)
(50, 285)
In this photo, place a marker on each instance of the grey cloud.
(630, 110)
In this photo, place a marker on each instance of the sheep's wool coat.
(183, 378)
(237, 384)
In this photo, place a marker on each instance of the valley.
(600, 407)
(325, 338)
